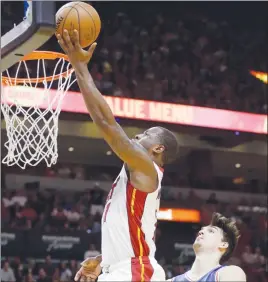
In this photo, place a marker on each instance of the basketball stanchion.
(32, 133)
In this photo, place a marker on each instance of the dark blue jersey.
(211, 276)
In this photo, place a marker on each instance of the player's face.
(209, 239)
(149, 137)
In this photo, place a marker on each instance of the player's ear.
(158, 149)
(224, 246)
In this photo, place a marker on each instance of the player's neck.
(203, 264)
(157, 161)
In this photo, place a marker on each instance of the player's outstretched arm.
(232, 273)
(128, 151)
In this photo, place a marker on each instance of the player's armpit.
(232, 273)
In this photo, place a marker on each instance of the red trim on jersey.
(139, 245)
(106, 209)
(217, 276)
(141, 269)
(161, 168)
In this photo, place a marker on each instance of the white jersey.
(129, 220)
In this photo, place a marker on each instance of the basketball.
(82, 17)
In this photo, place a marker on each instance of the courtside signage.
(146, 110)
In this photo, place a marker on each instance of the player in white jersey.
(129, 219)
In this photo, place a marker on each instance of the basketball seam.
(61, 9)
(95, 30)
(78, 24)
(67, 17)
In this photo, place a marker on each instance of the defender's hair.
(230, 233)
(170, 142)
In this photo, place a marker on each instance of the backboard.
(34, 29)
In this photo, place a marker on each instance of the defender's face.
(209, 238)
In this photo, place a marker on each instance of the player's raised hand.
(73, 50)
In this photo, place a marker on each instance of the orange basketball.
(82, 17)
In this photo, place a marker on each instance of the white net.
(31, 110)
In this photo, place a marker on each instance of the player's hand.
(89, 271)
(73, 50)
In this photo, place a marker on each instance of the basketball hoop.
(32, 133)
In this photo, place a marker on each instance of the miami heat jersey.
(129, 220)
(211, 276)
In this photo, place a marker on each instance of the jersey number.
(110, 195)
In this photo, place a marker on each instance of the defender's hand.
(73, 50)
(89, 271)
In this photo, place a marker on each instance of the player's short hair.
(171, 144)
(231, 233)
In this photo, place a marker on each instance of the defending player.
(215, 243)
(129, 218)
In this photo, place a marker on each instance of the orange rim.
(37, 55)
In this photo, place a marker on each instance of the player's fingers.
(76, 40)
(67, 40)
(61, 43)
(92, 48)
(78, 274)
(83, 279)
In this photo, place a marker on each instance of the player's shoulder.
(233, 268)
(178, 278)
(227, 273)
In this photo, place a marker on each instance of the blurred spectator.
(56, 276)
(31, 267)
(17, 268)
(19, 198)
(42, 276)
(258, 257)
(28, 278)
(48, 269)
(65, 272)
(14, 198)
(27, 213)
(64, 171)
(259, 265)
(92, 252)
(73, 215)
(7, 274)
(96, 226)
(73, 267)
(212, 199)
(97, 198)
(79, 172)
(248, 257)
(6, 199)
(58, 215)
